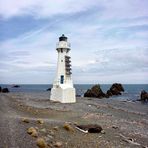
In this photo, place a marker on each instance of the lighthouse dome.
(63, 38)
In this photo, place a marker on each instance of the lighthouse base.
(63, 95)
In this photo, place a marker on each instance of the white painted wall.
(64, 93)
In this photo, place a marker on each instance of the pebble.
(51, 132)
(115, 127)
(56, 128)
(43, 130)
(36, 128)
(50, 136)
(102, 132)
(58, 144)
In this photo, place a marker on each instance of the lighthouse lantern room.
(63, 90)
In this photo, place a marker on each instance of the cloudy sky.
(109, 40)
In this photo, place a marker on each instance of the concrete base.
(63, 95)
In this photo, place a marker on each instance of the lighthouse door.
(62, 79)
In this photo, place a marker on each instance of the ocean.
(132, 91)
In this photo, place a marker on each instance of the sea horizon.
(132, 91)
(74, 83)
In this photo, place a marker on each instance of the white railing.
(64, 45)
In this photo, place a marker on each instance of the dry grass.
(41, 143)
(32, 131)
(68, 127)
(26, 120)
(40, 121)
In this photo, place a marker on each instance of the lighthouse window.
(62, 79)
(61, 50)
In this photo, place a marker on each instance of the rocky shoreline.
(124, 124)
(96, 91)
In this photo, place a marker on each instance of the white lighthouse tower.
(63, 90)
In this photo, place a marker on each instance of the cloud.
(117, 61)
(109, 39)
(19, 53)
(38, 8)
(124, 9)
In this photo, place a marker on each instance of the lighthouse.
(63, 90)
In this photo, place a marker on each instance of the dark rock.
(106, 95)
(118, 86)
(5, 90)
(16, 86)
(95, 92)
(49, 89)
(109, 93)
(0, 89)
(88, 93)
(90, 128)
(115, 89)
(144, 96)
(115, 127)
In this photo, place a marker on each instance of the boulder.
(5, 90)
(115, 89)
(88, 93)
(118, 86)
(49, 89)
(90, 128)
(109, 93)
(16, 86)
(95, 92)
(144, 96)
(78, 95)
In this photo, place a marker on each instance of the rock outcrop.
(49, 89)
(144, 96)
(5, 90)
(95, 92)
(0, 89)
(115, 89)
(16, 86)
